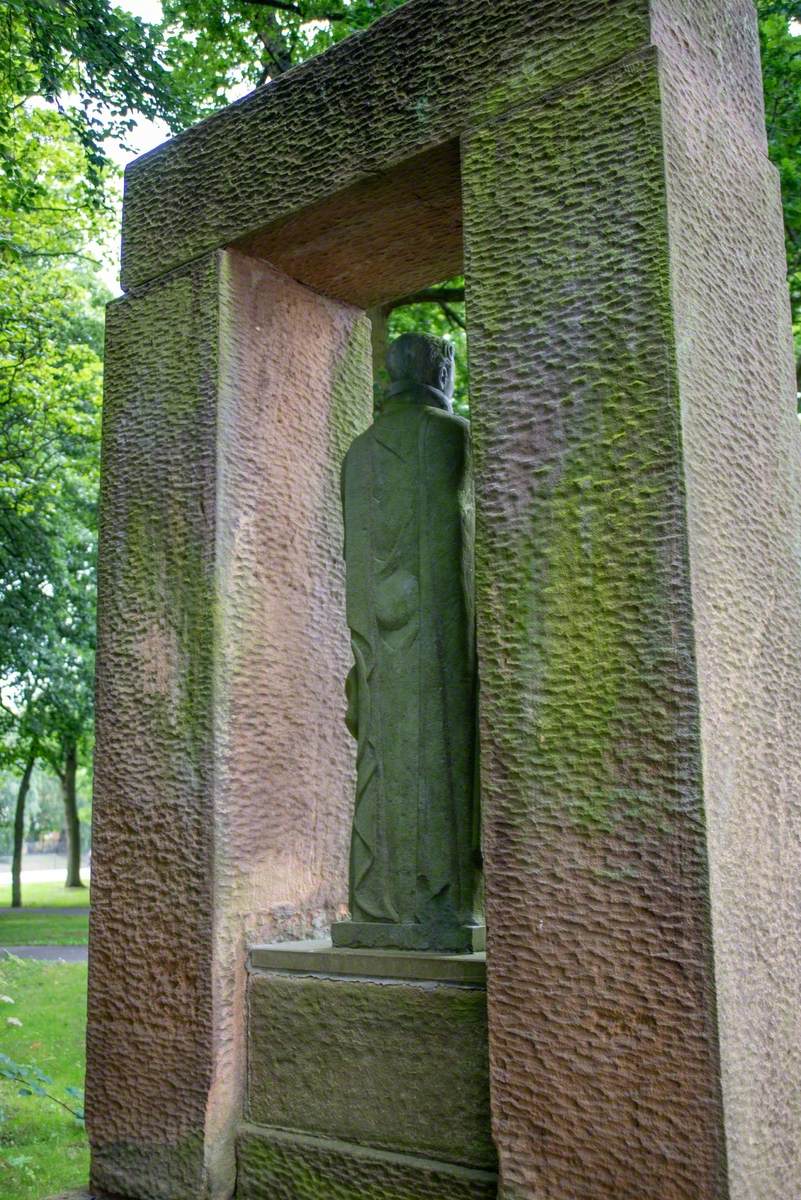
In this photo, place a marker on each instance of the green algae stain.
(159, 435)
(166, 568)
(581, 569)
(327, 1173)
(587, 596)
(351, 392)
(555, 61)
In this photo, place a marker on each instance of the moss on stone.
(595, 529)
(274, 1165)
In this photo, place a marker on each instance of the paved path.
(70, 954)
(30, 910)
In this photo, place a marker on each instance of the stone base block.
(321, 958)
(399, 1065)
(274, 1165)
(381, 935)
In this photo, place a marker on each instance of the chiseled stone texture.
(397, 1066)
(742, 451)
(282, 1166)
(416, 78)
(603, 1041)
(223, 783)
(150, 996)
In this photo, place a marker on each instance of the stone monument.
(598, 171)
(409, 538)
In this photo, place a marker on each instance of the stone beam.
(413, 81)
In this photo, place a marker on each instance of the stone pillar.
(638, 466)
(224, 781)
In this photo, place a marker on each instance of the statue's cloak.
(409, 534)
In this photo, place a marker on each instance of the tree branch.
(452, 315)
(443, 295)
(296, 10)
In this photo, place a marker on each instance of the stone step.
(276, 1165)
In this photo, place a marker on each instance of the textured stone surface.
(397, 1066)
(638, 499)
(743, 461)
(150, 1028)
(276, 1166)
(414, 80)
(223, 784)
(602, 1010)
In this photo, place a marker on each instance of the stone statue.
(409, 532)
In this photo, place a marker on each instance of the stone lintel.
(399, 90)
(411, 83)
(322, 958)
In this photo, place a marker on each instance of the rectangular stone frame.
(639, 500)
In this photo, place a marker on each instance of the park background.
(85, 86)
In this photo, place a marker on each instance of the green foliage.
(781, 69)
(43, 1149)
(51, 329)
(98, 67)
(50, 390)
(213, 48)
(33, 1082)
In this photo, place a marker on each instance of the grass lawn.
(47, 895)
(43, 1149)
(27, 927)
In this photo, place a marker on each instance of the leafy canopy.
(97, 65)
(214, 48)
(780, 38)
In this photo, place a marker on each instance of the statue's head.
(419, 358)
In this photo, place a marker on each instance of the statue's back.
(408, 512)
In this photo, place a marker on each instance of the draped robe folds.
(409, 534)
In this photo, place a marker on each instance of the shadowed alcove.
(387, 236)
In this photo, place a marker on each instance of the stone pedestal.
(367, 1074)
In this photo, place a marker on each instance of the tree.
(19, 827)
(65, 696)
(213, 48)
(19, 750)
(50, 388)
(780, 39)
(95, 65)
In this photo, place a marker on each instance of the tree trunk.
(71, 811)
(19, 830)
